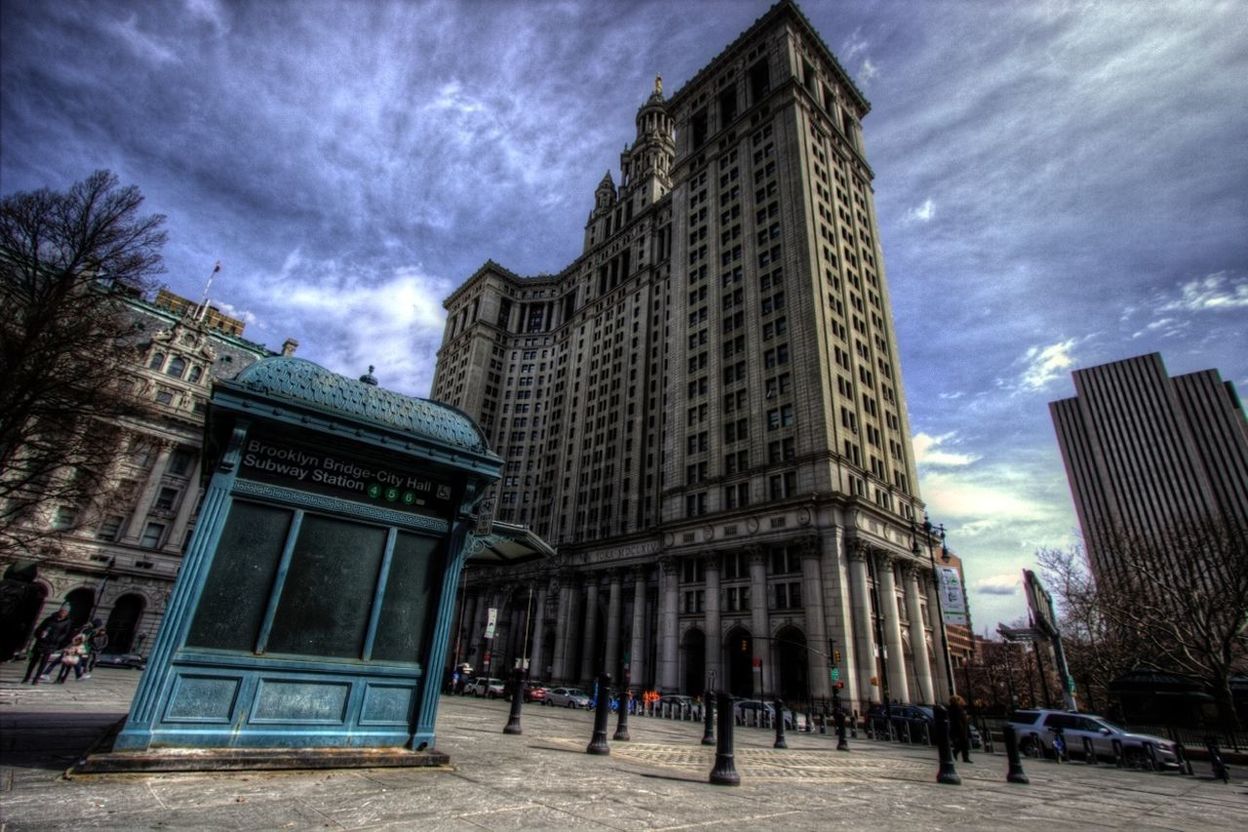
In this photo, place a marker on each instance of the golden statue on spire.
(658, 85)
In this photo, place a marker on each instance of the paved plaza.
(545, 780)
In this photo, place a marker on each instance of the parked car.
(535, 692)
(677, 701)
(1037, 728)
(131, 660)
(747, 708)
(915, 721)
(567, 698)
(489, 687)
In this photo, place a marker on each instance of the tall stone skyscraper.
(1145, 452)
(703, 413)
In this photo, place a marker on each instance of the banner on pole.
(952, 597)
(490, 622)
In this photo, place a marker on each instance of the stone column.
(864, 625)
(669, 669)
(711, 620)
(614, 602)
(760, 632)
(941, 683)
(898, 687)
(589, 647)
(560, 668)
(639, 641)
(918, 641)
(147, 497)
(818, 660)
(190, 497)
(536, 669)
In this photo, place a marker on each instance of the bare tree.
(66, 262)
(1177, 603)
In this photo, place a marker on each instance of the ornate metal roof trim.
(303, 382)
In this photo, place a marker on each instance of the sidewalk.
(545, 780)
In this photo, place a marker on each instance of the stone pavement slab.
(543, 779)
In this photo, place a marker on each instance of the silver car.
(567, 697)
(1036, 730)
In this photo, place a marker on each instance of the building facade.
(703, 413)
(1145, 452)
(117, 559)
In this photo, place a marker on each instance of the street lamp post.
(928, 528)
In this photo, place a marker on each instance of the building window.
(737, 599)
(110, 529)
(176, 367)
(780, 417)
(787, 596)
(152, 534)
(164, 396)
(64, 518)
(167, 498)
(180, 462)
(158, 361)
(737, 496)
(197, 373)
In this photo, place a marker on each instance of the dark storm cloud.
(1058, 184)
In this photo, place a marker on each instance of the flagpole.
(203, 306)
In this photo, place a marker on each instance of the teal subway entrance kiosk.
(315, 600)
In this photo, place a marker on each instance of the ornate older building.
(120, 555)
(703, 413)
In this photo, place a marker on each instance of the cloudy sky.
(1059, 184)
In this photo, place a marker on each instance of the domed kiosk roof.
(302, 382)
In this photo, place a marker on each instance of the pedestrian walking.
(959, 728)
(51, 635)
(99, 641)
(70, 657)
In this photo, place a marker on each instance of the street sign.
(835, 673)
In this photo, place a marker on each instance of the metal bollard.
(947, 773)
(598, 744)
(1015, 773)
(1150, 757)
(810, 722)
(1089, 753)
(621, 725)
(779, 720)
(708, 727)
(1119, 759)
(1180, 752)
(853, 726)
(517, 701)
(725, 771)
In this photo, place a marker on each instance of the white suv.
(487, 687)
(1036, 729)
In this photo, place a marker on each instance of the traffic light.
(839, 686)
(745, 646)
(836, 656)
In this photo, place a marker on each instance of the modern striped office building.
(1145, 452)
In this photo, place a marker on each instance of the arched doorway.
(739, 652)
(793, 665)
(123, 622)
(81, 601)
(21, 599)
(694, 647)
